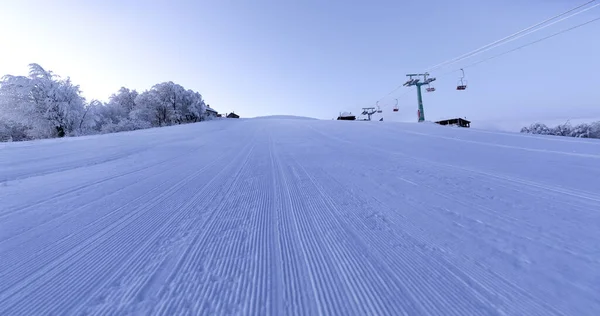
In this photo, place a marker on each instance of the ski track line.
(68, 237)
(135, 287)
(359, 273)
(117, 153)
(300, 241)
(76, 253)
(189, 267)
(298, 294)
(69, 240)
(233, 299)
(239, 230)
(428, 294)
(47, 217)
(321, 267)
(53, 169)
(97, 182)
(276, 287)
(56, 216)
(85, 186)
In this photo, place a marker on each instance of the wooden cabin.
(455, 121)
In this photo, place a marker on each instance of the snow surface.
(292, 117)
(301, 217)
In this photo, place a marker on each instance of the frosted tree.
(172, 97)
(168, 103)
(121, 104)
(193, 106)
(537, 128)
(150, 109)
(594, 131)
(562, 130)
(94, 118)
(582, 130)
(586, 130)
(114, 116)
(43, 102)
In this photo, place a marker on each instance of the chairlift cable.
(534, 42)
(517, 35)
(525, 45)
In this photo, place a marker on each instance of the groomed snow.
(301, 217)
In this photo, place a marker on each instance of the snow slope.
(283, 117)
(301, 217)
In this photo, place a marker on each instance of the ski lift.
(430, 88)
(462, 83)
(378, 108)
(396, 106)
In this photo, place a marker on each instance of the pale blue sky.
(314, 57)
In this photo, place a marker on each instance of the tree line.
(585, 130)
(44, 105)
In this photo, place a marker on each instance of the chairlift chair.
(396, 106)
(430, 89)
(378, 108)
(462, 83)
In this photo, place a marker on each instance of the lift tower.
(417, 82)
(369, 112)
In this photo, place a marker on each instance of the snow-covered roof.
(209, 109)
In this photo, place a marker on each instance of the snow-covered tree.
(562, 130)
(150, 109)
(12, 131)
(537, 128)
(43, 102)
(582, 130)
(121, 104)
(168, 103)
(193, 106)
(594, 131)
